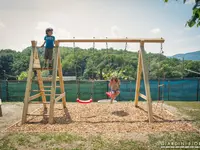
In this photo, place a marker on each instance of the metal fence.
(173, 90)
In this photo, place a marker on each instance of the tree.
(195, 19)
(6, 61)
(23, 75)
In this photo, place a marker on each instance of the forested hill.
(189, 56)
(99, 64)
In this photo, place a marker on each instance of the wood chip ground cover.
(106, 119)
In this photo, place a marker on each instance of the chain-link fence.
(172, 90)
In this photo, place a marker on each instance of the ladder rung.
(50, 94)
(50, 86)
(50, 80)
(41, 90)
(42, 69)
(43, 103)
(37, 114)
(38, 102)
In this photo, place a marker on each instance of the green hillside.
(189, 56)
(99, 64)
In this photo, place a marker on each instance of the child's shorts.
(48, 53)
(114, 91)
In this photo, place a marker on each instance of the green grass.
(60, 141)
(191, 109)
(66, 141)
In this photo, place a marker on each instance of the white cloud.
(155, 30)
(96, 32)
(190, 2)
(61, 33)
(2, 25)
(43, 25)
(115, 31)
(180, 40)
(58, 32)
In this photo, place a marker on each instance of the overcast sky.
(24, 20)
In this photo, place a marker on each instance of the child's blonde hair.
(115, 79)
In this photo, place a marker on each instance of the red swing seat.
(84, 101)
(109, 94)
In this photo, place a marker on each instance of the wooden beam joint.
(143, 96)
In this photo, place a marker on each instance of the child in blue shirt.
(49, 45)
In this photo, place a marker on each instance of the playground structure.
(34, 65)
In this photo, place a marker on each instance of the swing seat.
(84, 101)
(108, 94)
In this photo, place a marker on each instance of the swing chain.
(93, 59)
(75, 68)
(108, 57)
(126, 45)
(161, 49)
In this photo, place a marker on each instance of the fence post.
(159, 89)
(1, 95)
(197, 89)
(1, 114)
(7, 96)
(168, 89)
(107, 87)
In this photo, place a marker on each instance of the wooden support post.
(36, 64)
(146, 82)
(41, 86)
(53, 84)
(139, 73)
(60, 73)
(28, 84)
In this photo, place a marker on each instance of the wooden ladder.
(34, 65)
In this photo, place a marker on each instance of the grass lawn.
(191, 109)
(60, 141)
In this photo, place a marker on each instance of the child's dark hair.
(114, 79)
(48, 29)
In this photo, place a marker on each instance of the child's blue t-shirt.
(49, 41)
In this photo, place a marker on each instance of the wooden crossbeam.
(50, 94)
(34, 96)
(143, 96)
(156, 40)
(31, 102)
(50, 86)
(37, 114)
(41, 90)
(59, 97)
(42, 69)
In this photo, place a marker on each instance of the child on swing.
(114, 85)
(49, 40)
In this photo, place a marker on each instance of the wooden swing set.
(34, 65)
